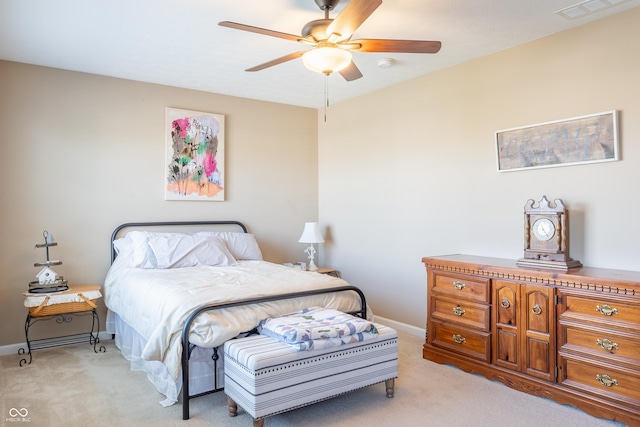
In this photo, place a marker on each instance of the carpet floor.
(73, 386)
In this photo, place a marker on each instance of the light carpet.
(73, 386)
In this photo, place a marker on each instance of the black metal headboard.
(119, 228)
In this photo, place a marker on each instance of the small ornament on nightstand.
(48, 280)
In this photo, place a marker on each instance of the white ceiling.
(179, 43)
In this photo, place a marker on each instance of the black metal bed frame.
(187, 347)
(187, 326)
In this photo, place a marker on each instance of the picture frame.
(194, 155)
(575, 141)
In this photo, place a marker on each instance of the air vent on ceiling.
(587, 7)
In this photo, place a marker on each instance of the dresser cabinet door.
(524, 328)
(506, 324)
(538, 337)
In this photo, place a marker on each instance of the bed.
(177, 291)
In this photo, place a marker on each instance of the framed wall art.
(579, 140)
(194, 155)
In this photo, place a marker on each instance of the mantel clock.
(546, 236)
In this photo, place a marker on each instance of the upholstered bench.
(266, 377)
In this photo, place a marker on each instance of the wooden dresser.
(573, 336)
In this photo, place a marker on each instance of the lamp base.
(311, 254)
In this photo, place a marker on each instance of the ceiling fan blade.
(259, 30)
(401, 46)
(277, 61)
(351, 17)
(351, 72)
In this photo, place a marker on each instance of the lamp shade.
(311, 233)
(326, 59)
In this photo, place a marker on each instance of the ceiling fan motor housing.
(327, 4)
(317, 29)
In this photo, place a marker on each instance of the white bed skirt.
(201, 367)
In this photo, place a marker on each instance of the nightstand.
(78, 300)
(328, 271)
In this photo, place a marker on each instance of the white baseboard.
(402, 327)
(6, 350)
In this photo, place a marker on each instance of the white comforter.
(156, 303)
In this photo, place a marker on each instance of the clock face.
(544, 229)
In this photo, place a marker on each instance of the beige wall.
(410, 171)
(403, 173)
(82, 154)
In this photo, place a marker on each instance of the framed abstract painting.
(194, 155)
(580, 140)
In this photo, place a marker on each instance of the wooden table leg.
(233, 407)
(390, 386)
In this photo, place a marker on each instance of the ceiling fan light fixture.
(326, 59)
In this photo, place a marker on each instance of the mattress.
(155, 303)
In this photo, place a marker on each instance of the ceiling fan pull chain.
(326, 95)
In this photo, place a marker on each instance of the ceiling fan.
(330, 40)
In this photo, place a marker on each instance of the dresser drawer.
(600, 379)
(616, 346)
(462, 286)
(461, 312)
(606, 311)
(476, 344)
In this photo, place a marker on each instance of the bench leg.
(233, 411)
(390, 385)
(233, 407)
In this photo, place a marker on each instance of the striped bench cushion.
(266, 377)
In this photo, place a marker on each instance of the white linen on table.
(34, 300)
(156, 303)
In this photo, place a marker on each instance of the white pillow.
(133, 247)
(241, 245)
(122, 246)
(188, 250)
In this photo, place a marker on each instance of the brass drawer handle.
(505, 303)
(459, 285)
(536, 309)
(458, 311)
(606, 380)
(606, 344)
(606, 310)
(459, 338)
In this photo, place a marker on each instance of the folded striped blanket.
(317, 328)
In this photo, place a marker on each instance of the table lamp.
(311, 234)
